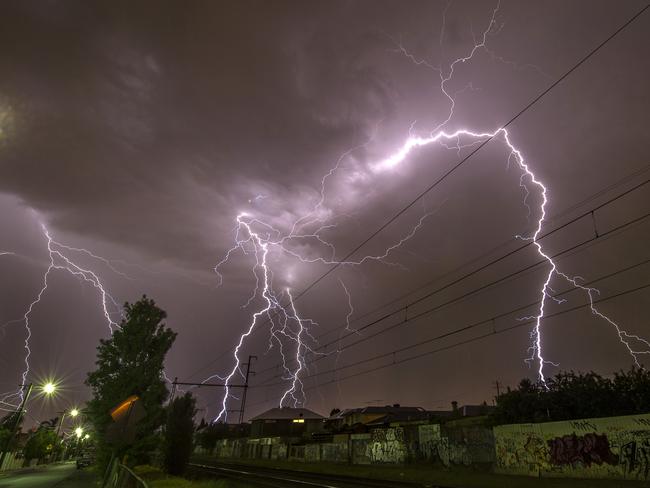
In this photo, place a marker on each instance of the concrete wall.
(360, 448)
(455, 445)
(387, 446)
(615, 447)
(610, 448)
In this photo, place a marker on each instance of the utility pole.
(19, 416)
(176, 384)
(58, 428)
(497, 385)
(243, 398)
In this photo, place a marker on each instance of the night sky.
(140, 130)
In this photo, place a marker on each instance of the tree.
(131, 363)
(7, 424)
(570, 395)
(40, 444)
(179, 434)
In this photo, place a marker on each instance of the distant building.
(475, 410)
(373, 416)
(364, 418)
(286, 422)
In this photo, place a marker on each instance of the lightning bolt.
(257, 238)
(59, 261)
(261, 251)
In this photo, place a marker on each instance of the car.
(84, 460)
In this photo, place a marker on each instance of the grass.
(460, 477)
(155, 478)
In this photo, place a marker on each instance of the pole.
(243, 398)
(58, 429)
(19, 416)
(173, 394)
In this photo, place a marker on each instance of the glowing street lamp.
(78, 432)
(48, 389)
(86, 437)
(73, 413)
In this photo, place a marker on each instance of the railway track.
(255, 476)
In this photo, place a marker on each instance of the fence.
(12, 462)
(120, 476)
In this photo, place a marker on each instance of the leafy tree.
(570, 395)
(7, 424)
(179, 434)
(131, 363)
(40, 444)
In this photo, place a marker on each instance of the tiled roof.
(287, 413)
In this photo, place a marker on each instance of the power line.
(438, 307)
(510, 253)
(461, 329)
(467, 341)
(466, 158)
(475, 271)
(404, 308)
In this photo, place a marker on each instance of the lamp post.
(48, 388)
(73, 413)
(19, 416)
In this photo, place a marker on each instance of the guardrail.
(121, 476)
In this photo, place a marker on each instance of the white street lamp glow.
(79, 432)
(74, 412)
(49, 388)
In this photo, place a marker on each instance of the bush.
(179, 434)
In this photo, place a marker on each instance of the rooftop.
(288, 413)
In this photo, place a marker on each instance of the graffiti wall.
(387, 446)
(614, 447)
(457, 445)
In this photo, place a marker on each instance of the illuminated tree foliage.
(179, 434)
(131, 363)
(43, 442)
(571, 395)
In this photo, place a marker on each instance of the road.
(255, 476)
(41, 477)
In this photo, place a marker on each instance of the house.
(372, 416)
(475, 410)
(358, 420)
(286, 422)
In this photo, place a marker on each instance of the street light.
(73, 413)
(48, 388)
(79, 432)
